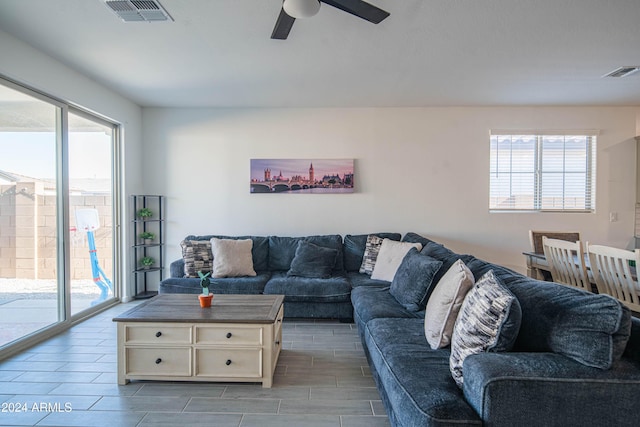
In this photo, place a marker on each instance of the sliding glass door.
(90, 210)
(29, 136)
(57, 256)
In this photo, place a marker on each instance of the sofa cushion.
(489, 320)
(444, 304)
(371, 251)
(227, 285)
(313, 261)
(282, 250)
(413, 280)
(197, 256)
(357, 279)
(259, 252)
(373, 302)
(232, 258)
(390, 258)
(588, 328)
(414, 378)
(354, 246)
(304, 289)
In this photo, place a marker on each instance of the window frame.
(538, 136)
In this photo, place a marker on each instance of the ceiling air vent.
(623, 71)
(138, 10)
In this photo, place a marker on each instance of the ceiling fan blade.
(283, 26)
(359, 8)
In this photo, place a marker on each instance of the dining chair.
(567, 262)
(535, 238)
(614, 274)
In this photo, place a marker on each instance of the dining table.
(538, 267)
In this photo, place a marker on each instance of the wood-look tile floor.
(322, 379)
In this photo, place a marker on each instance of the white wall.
(28, 66)
(417, 169)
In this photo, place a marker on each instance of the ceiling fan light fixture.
(301, 8)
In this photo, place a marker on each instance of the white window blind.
(543, 171)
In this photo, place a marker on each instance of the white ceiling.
(427, 53)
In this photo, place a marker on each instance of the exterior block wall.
(28, 235)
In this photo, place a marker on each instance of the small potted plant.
(147, 262)
(205, 298)
(145, 213)
(147, 237)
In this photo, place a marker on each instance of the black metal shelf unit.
(141, 248)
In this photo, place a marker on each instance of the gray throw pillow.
(412, 282)
(489, 321)
(313, 261)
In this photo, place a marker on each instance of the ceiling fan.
(292, 9)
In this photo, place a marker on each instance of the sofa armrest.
(176, 268)
(549, 389)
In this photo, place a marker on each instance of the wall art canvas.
(302, 176)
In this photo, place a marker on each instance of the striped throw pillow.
(489, 320)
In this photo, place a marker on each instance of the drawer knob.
(277, 342)
(229, 334)
(158, 360)
(158, 334)
(228, 362)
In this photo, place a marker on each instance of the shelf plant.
(147, 236)
(145, 213)
(147, 261)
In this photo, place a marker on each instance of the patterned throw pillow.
(197, 257)
(371, 251)
(489, 320)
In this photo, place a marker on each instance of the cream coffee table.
(170, 338)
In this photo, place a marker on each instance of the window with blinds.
(538, 171)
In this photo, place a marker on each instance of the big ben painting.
(300, 176)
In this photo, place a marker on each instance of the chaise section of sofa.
(576, 360)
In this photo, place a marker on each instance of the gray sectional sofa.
(575, 361)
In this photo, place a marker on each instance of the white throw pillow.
(390, 257)
(232, 258)
(444, 304)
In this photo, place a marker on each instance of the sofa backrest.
(282, 250)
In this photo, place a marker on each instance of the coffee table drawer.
(228, 335)
(157, 334)
(159, 361)
(245, 363)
